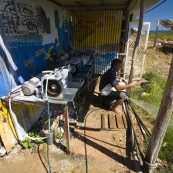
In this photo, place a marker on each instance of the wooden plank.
(112, 123)
(104, 121)
(7, 131)
(124, 121)
(167, 45)
(119, 121)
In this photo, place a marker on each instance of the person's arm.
(122, 87)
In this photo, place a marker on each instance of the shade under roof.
(94, 5)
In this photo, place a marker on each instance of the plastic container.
(38, 91)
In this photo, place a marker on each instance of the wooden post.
(67, 131)
(125, 39)
(155, 38)
(160, 125)
(136, 43)
(125, 30)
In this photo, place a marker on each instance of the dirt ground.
(94, 149)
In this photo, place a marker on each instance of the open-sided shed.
(31, 29)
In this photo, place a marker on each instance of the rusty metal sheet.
(27, 114)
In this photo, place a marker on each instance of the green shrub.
(162, 35)
(28, 142)
(167, 148)
(155, 89)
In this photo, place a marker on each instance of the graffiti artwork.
(39, 52)
(24, 18)
(81, 32)
(27, 62)
(29, 65)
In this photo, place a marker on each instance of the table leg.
(67, 130)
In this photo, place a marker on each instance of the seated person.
(109, 86)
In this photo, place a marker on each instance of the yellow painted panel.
(7, 131)
(96, 28)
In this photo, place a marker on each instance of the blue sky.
(164, 11)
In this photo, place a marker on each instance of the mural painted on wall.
(8, 70)
(99, 30)
(23, 17)
(64, 31)
(25, 25)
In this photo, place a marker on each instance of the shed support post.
(125, 32)
(136, 43)
(125, 39)
(160, 126)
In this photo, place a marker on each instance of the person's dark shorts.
(117, 95)
(112, 97)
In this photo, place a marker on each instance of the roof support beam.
(78, 3)
(57, 3)
(100, 7)
(130, 5)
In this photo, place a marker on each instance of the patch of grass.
(155, 89)
(155, 92)
(167, 148)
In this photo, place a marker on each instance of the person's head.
(116, 64)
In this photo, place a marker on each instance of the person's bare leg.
(118, 102)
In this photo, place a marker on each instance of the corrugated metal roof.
(167, 23)
(90, 5)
